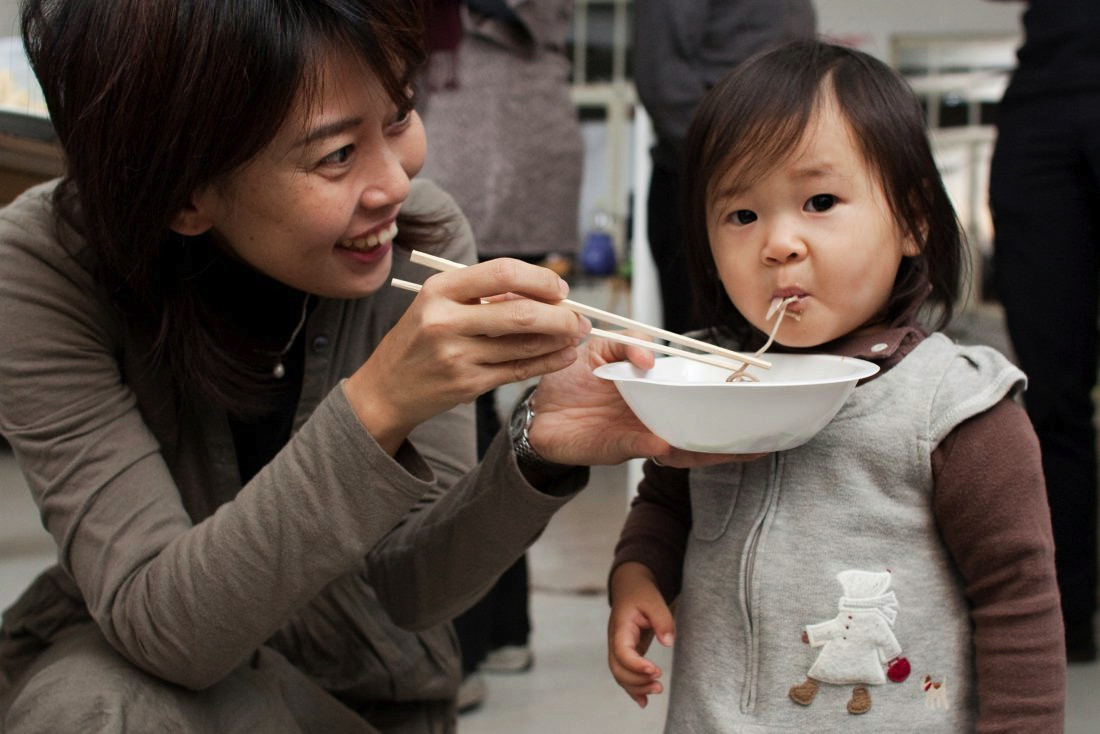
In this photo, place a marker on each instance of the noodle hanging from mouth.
(741, 375)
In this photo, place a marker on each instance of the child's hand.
(638, 612)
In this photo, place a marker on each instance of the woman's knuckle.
(524, 314)
(433, 327)
(431, 285)
(449, 354)
(551, 278)
(522, 369)
(532, 345)
(505, 269)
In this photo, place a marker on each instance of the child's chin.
(799, 343)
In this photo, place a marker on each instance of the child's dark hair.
(756, 115)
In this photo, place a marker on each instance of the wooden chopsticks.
(724, 355)
(617, 337)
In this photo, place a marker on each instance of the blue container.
(598, 253)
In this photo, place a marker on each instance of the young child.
(896, 572)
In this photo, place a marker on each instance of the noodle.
(741, 375)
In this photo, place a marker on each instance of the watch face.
(518, 419)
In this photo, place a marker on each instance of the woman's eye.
(743, 216)
(404, 110)
(820, 203)
(337, 157)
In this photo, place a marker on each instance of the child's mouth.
(780, 307)
(789, 305)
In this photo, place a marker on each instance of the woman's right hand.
(449, 347)
(638, 613)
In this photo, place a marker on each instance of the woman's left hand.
(581, 419)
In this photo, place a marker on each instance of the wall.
(9, 16)
(872, 20)
(869, 24)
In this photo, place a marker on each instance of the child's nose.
(783, 247)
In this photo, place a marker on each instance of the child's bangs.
(753, 144)
(762, 147)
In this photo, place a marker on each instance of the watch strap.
(519, 428)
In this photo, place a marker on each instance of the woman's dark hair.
(153, 100)
(755, 117)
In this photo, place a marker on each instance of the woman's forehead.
(328, 84)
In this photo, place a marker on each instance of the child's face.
(816, 226)
(316, 208)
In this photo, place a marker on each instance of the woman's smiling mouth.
(383, 236)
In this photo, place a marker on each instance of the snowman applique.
(857, 643)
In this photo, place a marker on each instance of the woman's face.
(316, 209)
(816, 226)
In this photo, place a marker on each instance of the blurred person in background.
(1045, 198)
(681, 49)
(505, 141)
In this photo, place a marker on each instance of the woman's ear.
(193, 218)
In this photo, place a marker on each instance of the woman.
(244, 443)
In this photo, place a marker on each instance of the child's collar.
(885, 348)
(881, 346)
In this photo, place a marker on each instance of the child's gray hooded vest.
(836, 538)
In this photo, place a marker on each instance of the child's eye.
(743, 216)
(337, 157)
(820, 203)
(401, 117)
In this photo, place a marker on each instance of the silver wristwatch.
(519, 426)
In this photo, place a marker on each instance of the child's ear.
(910, 247)
(910, 244)
(193, 218)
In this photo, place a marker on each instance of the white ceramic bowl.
(690, 405)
